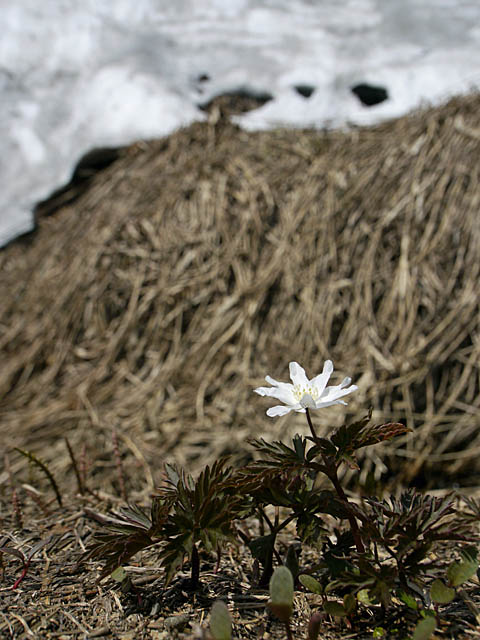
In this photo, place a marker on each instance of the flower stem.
(195, 573)
(288, 630)
(310, 424)
(332, 474)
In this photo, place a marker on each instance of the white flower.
(304, 393)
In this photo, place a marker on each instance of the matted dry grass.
(196, 264)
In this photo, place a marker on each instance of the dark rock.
(89, 165)
(304, 90)
(370, 95)
(177, 622)
(236, 102)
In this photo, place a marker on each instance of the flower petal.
(329, 403)
(298, 375)
(278, 410)
(320, 381)
(334, 393)
(284, 393)
(284, 386)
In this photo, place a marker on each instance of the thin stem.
(310, 424)
(195, 573)
(219, 555)
(23, 574)
(119, 465)
(277, 517)
(285, 522)
(78, 476)
(288, 630)
(267, 519)
(332, 474)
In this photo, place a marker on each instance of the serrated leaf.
(440, 593)
(220, 622)
(322, 446)
(299, 445)
(172, 560)
(311, 529)
(425, 628)
(350, 461)
(115, 549)
(340, 438)
(380, 433)
(311, 583)
(334, 609)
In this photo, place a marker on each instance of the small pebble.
(177, 622)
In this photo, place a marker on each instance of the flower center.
(299, 391)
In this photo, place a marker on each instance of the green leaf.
(363, 596)
(220, 622)
(334, 609)
(440, 593)
(460, 572)
(409, 600)
(311, 583)
(378, 632)
(425, 628)
(119, 574)
(281, 586)
(299, 444)
(349, 603)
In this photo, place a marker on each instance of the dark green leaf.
(220, 621)
(440, 593)
(349, 603)
(334, 609)
(311, 583)
(261, 547)
(425, 628)
(408, 600)
(363, 596)
(460, 572)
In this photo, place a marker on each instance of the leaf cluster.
(409, 525)
(125, 533)
(339, 447)
(202, 511)
(383, 553)
(185, 512)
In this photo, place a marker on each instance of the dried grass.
(194, 265)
